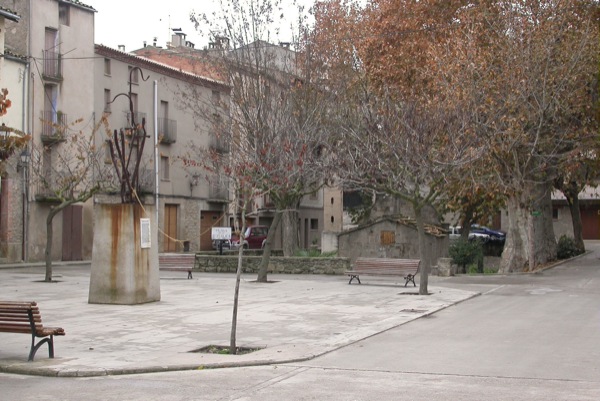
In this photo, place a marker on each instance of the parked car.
(494, 235)
(473, 235)
(254, 238)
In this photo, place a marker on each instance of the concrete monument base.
(125, 255)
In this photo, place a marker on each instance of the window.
(388, 238)
(314, 224)
(164, 109)
(107, 100)
(555, 213)
(107, 157)
(164, 167)
(216, 97)
(134, 101)
(64, 14)
(107, 66)
(133, 75)
(52, 65)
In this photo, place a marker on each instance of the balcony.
(167, 130)
(218, 190)
(54, 127)
(219, 144)
(146, 181)
(45, 189)
(135, 118)
(52, 66)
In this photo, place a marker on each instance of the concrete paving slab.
(294, 318)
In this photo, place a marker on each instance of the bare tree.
(68, 173)
(273, 116)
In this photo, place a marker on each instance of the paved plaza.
(292, 318)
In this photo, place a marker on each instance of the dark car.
(494, 235)
(254, 238)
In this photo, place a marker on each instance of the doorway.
(170, 229)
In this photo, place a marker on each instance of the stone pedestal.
(123, 270)
(445, 268)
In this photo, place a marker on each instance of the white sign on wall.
(220, 233)
(145, 233)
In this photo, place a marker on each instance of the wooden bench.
(181, 262)
(406, 268)
(24, 317)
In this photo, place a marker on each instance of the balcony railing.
(219, 144)
(218, 189)
(167, 130)
(146, 180)
(52, 65)
(45, 189)
(136, 117)
(54, 126)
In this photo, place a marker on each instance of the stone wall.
(277, 264)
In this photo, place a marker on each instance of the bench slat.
(407, 268)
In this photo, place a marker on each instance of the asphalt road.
(527, 337)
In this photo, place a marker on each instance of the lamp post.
(25, 157)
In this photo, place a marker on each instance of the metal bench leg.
(352, 278)
(35, 347)
(408, 279)
(189, 275)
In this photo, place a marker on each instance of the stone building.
(188, 206)
(390, 237)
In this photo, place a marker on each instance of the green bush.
(464, 253)
(566, 248)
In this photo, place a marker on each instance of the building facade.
(189, 204)
(57, 40)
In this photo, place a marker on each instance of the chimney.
(122, 48)
(154, 40)
(144, 43)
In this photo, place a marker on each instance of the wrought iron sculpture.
(127, 148)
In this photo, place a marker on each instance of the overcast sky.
(131, 22)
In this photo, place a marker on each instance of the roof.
(79, 4)
(9, 14)
(185, 59)
(588, 193)
(161, 68)
(431, 229)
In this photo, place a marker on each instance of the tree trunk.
(530, 238)
(266, 256)
(577, 224)
(516, 251)
(238, 274)
(49, 238)
(424, 256)
(290, 232)
(546, 251)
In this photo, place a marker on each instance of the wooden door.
(590, 220)
(208, 220)
(170, 229)
(72, 233)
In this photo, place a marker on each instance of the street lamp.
(25, 158)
